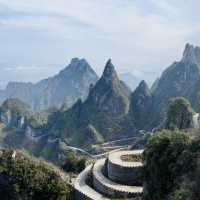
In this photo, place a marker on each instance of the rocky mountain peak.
(79, 65)
(141, 100)
(70, 84)
(143, 89)
(110, 94)
(109, 74)
(191, 54)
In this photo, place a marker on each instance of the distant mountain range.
(108, 110)
(70, 84)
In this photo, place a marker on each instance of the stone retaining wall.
(110, 178)
(83, 191)
(109, 188)
(80, 196)
(124, 175)
(124, 172)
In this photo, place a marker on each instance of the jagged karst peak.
(109, 73)
(191, 54)
(143, 84)
(141, 100)
(143, 88)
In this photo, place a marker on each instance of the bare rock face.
(110, 94)
(191, 54)
(179, 79)
(141, 100)
(71, 83)
(13, 113)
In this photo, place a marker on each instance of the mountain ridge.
(67, 86)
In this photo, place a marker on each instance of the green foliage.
(37, 119)
(179, 114)
(26, 178)
(73, 164)
(170, 162)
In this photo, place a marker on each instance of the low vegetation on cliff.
(179, 114)
(172, 166)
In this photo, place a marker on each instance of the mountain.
(70, 84)
(99, 117)
(179, 79)
(110, 95)
(109, 112)
(141, 101)
(131, 80)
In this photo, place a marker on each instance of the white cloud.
(140, 35)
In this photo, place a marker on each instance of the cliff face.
(110, 95)
(13, 113)
(99, 117)
(141, 101)
(180, 79)
(65, 88)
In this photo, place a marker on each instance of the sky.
(40, 37)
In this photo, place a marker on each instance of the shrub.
(25, 177)
(167, 157)
(74, 164)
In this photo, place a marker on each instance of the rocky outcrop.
(191, 54)
(110, 95)
(13, 113)
(141, 101)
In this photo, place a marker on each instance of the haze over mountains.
(105, 108)
(66, 87)
(71, 83)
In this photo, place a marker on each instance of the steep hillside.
(70, 84)
(141, 102)
(180, 79)
(25, 177)
(99, 117)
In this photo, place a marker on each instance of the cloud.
(142, 36)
